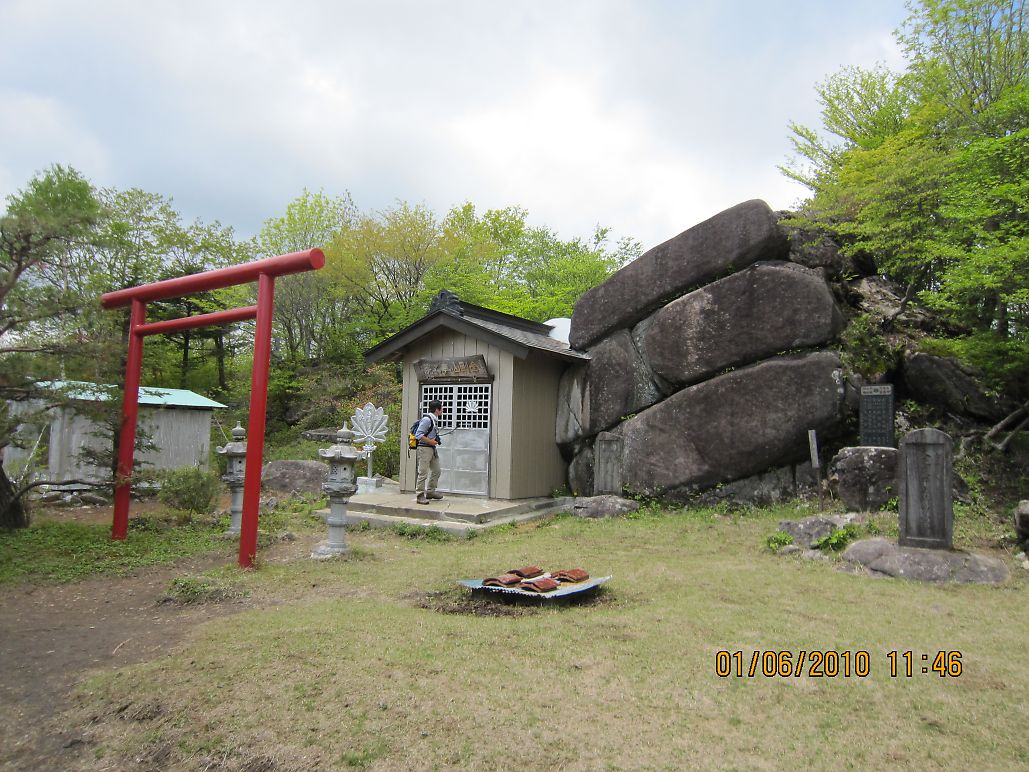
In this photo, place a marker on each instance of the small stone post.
(235, 468)
(607, 464)
(369, 423)
(340, 486)
(926, 483)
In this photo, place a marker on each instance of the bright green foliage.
(866, 350)
(967, 54)
(838, 539)
(309, 306)
(929, 174)
(861, 108)
(778, 540)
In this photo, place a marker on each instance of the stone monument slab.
(926, 490)
(607, 464)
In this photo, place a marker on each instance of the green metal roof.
(148, 395)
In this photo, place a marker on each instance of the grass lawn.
(378, 661)
(60, 551)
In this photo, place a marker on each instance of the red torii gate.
(264, 273)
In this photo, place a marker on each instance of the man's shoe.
(422, 499)
(434, 495)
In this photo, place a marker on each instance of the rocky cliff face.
(707, 357)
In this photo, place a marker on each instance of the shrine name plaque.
(454, 370)
(876, 422)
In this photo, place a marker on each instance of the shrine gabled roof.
(508, 332)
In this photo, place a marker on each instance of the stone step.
(376, 520)
(457, 508)
(453, 522)
(453, 527)
(434, 511)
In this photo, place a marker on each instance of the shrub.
(865, 348)
(778, 540)
(190, 489)
(838, 539)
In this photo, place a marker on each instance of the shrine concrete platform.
(457, 514)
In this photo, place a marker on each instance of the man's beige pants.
(428, 470)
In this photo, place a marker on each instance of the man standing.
(427, 459)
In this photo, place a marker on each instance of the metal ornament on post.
(340, 486)
(235, 469)
(369, 423)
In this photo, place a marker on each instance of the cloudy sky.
(646, 116)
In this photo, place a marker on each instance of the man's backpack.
(412, 440)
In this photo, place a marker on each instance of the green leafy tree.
(308, 308)
(926, 172)
(55, 211)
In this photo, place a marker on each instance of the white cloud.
(644, 116)
(34, 124)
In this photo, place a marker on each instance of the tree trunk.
(183, 378)
(219, 353)
(13, 513)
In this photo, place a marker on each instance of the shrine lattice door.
(464, 429)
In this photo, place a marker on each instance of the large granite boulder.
(947, 383)
(617, 383)
(731, 240)
(732, 426)
(817, 250)
(570, 392)
(754, 314)
(882, 299)
(883, 557)
(772, 487)
(304, 477)
(864, 478)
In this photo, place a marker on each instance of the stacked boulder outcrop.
(708, 358)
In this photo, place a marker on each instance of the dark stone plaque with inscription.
(455, 370)
(877, 416)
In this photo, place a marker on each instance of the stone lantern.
(235, 453)
(340, 486)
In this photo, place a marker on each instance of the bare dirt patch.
(484, 604)
(51, 636)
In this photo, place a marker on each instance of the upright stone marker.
(607, 464)
(926, 498)
(369, 425)
(877, 416)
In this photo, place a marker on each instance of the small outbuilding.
(497, 376)
(178, 422)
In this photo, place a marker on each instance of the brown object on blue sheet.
(504, 580)
(543, 584)
(574, 575)
(527, 572)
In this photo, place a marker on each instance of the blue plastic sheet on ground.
(563, 591)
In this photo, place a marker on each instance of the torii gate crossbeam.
(264, 273)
